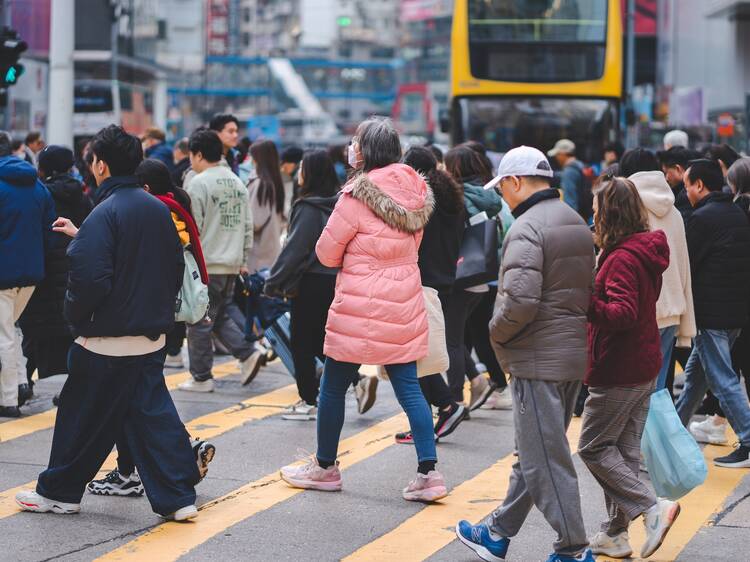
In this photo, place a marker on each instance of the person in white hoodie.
(674, 309)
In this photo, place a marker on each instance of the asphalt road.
(248, 514)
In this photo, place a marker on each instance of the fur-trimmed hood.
(396, 194)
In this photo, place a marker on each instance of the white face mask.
(352, 157)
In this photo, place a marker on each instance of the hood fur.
(388, 209)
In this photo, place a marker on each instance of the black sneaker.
(406, 438)
(56, 400)
(204, 454)
(24, 394)
(10, 412)
(115, 484)
(448, 420)
(740, 458)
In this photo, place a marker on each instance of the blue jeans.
(710, 367)
(338, 376)
(668, 336)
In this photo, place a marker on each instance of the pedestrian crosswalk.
(418, 535)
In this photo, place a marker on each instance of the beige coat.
(268, 226)
(675, 304)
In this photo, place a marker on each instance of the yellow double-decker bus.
(534, 71)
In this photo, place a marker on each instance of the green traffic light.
(13, 73)
(344, 21)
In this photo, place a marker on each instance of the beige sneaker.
(614, 547)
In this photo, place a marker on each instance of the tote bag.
(674, 460)
(192, 300)
(478, 257)
(437, 360)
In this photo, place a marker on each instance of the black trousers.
(308, 330)
(108, 397)
(478, 337)
(457, 307)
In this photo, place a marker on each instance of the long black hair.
(318, 174)
(466, 165)
(267, 166)
(155, 174)
(449, 194)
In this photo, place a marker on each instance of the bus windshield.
(503, 123)
(537, 40)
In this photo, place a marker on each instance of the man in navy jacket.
(126, 268)
(26, 215)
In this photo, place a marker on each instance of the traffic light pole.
(61, 73)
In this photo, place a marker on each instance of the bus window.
(537, 40)
(126, 98)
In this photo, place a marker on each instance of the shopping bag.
(478, 257)
(437, 360)
(674, 460)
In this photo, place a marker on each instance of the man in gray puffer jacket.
(538, 331)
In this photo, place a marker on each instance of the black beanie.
(55, 159)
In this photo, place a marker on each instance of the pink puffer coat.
(378, 315)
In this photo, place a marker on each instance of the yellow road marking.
(423, 534)
(697, 508)
(46, 420)
(169, 541)
(206, 427)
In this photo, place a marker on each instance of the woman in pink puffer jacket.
(378, 314)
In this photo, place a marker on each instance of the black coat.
(43, 316)
(126, 265)
(441, 242)
(682, 202)
(308, 219)
(718, 237)
(180, 169)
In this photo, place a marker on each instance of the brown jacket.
(538, 329)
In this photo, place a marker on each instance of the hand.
(65, 226)
(244, 271)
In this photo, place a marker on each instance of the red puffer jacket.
(624, 343)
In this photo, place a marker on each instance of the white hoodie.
(675, 304)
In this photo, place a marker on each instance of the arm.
(687, 328)
(300, 245)
(198, 196)
(619, 310)
(569, 185)
(250, 219)
(48, 219)
(698, 242)
(341, 228)
(91, 256)
(521, 284)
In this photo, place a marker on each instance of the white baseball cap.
(522, 161)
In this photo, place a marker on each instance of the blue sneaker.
(478, 539)
(587, 556)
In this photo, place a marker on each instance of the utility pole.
(630, 140)
(117, 12)
(61, 75)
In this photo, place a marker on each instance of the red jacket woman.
(624, 343)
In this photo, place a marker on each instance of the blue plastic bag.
(674, 460)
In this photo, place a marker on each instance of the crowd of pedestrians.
(589, 289)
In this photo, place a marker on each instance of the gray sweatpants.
(218, 321)
(544, 475)
(610, 445)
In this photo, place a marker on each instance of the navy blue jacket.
(126, 265)
(26, 215)
(162, 152)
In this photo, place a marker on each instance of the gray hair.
(379, 143)
(5, 143)
(738, 176)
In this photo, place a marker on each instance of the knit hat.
(54, 159)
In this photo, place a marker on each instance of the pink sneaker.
(311, 476)
(426, 488)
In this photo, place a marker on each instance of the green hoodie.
(478, 199)
(221, 208)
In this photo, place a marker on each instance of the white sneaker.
(366, 393)
(174, 362)
(29, 500)
(249, 367)
(301, 411)
(707, 431)
(615, 547)
(192, 385)
(499, 400)
(658, 520)
(481, 390)
(183, 514)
